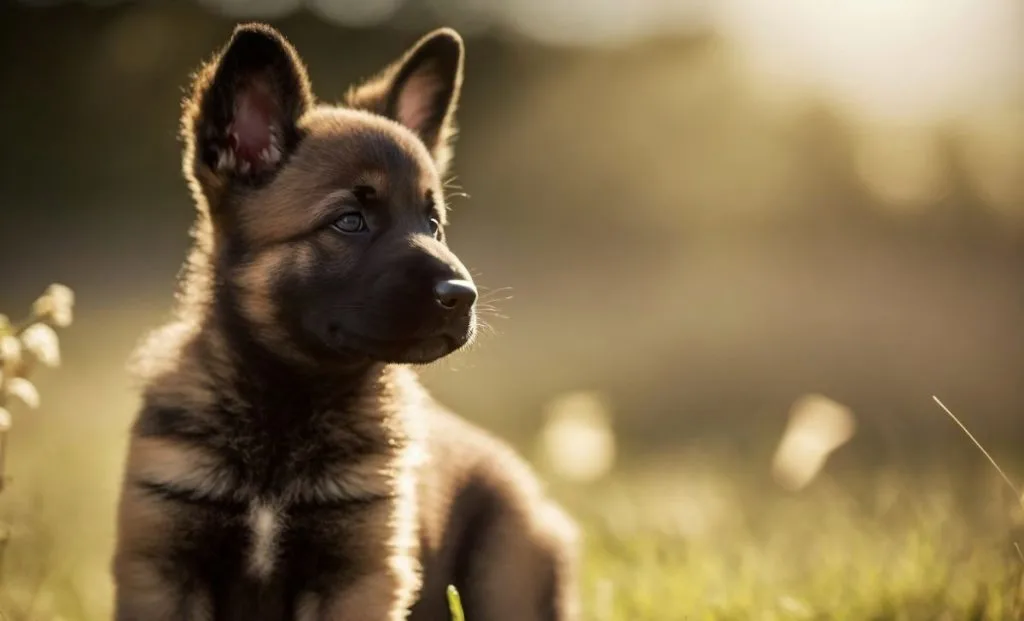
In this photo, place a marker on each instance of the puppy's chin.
(427, 350)
(417, 351)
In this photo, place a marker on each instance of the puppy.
(285, 464)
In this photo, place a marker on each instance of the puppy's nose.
(455, 294)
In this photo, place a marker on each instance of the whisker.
(453, 189)
(492, 290)
(491, 300)
(495, 294)
(491, 312)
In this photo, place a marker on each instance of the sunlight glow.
(577, 441)
(356, 13)
(994, 157)
(607, 22)
(905, 60)
(254, 9)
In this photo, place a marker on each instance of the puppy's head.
(329, 221)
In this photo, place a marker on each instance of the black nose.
(455, 294)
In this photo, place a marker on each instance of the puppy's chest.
(259, 562)
(284, 508)
(293, 454)
(269, 459)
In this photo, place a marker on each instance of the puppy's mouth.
(421, 350)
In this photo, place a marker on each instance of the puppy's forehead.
(341, 149)
(352, 147)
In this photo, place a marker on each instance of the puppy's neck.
(265, 377)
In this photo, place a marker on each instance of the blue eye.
(435, 227)
(351, 222)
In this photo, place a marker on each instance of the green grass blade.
(455, 604)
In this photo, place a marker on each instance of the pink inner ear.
(416, 102)
(253, 135)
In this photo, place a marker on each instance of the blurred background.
(694, 214)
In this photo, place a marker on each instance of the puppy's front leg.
(380, 541)
(148, 585)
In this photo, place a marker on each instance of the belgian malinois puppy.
(285, 464)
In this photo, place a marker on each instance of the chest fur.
(263, 495)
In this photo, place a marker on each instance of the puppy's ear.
(239, 123)
(420, 90)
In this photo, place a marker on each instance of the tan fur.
(308, 608)
(157, 364)
(187, 467)
(142, 591)
(256, 299)
(367, 600)
(144, 594)
(389, 547)
(371, 477)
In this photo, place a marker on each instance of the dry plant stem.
(4, 534)
(3, 466)
(1006, 478)
(3, 457)
(1018, 603)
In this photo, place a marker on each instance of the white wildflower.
(41, 340)
(56, 305)
(10, 354)
(25, 390)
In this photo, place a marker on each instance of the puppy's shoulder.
(178, 368)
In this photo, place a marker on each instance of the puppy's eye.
(351, 222)
(435, 228)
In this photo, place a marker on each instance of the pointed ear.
(420, 90)
(239, 124)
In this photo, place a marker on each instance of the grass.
(455, 604)
(696, 538)
(678, 542)
(712, 538)
(886, 549)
